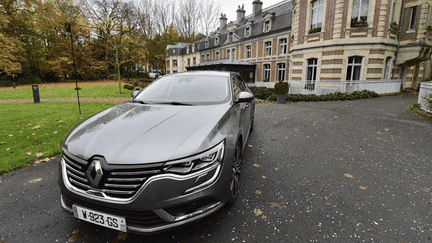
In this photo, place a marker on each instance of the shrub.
(135, 83)
(126, 86)
(281, 87)
(131, 87)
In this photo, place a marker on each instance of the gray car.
(167, 157)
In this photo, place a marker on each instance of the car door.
(244, 108)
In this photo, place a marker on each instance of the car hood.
(133, 133)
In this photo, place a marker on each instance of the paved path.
(349, 171)
(82, 99)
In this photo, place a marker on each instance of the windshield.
(186, 89)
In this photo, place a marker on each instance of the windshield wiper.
(140, 101)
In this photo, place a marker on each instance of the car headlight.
(197, 162)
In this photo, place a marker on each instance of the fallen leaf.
(331, 180)
(379, 132)
(382, 238)
(36, 127)
(122, 236)
(258, 212)
(7, 149)
(37, 162)
(17, 126)
(348, 175)
(328, 204)
(276, 168)
(29, 153)
(426, 190)
(263, 217)
(275, 205)
(250, 146)
(430, 202)
(38, 155)
(35, 180)
(256, 165)
(340, 158)
(10, 135)
(55, 132)
(314, 180)
(412, 142)
(29, 115)
(362, 187)
(336, 117)
(60, 125)
(22, 142)
(264, 177)
(76, 231)
(414, 185)
(73, 238)
(258, 192)
(46, 159)
(386, 129)
(2, 143)
(379, 138)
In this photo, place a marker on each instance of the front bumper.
(162, 203)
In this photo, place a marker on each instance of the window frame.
(194, 61)
(267, 48)
(354, 65)
(318, 9)
(412, 22)
(228, 53)
(283, 47)
(266, 72)
(247, 31)
(175, 63)
(217, 55)
(193, 48)
(248, 51)
(267, 26)
(387, 69)
(216, 41)
(279, 70)
(359, 20)
(207, 43)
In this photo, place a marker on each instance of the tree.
(156, 46)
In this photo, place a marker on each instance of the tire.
(252, 122)
(235, 174)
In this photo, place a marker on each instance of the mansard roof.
(280, 15)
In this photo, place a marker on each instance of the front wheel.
(235, 174)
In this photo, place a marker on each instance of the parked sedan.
(169, 156)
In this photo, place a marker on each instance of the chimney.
(240, 13)
(257, 7)
(223, 20)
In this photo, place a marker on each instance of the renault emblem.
(94, 173)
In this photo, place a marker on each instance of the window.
(311, 73)
(217, 55)
(317, 13)
(206, 44)
(187, 50)
(248, 51)
(247, 31)
(174, 63)
(208, 57)
(283, 46)
(281, 71)
(267, 48)
(193, 48)
(412, 18)
(173, 51)
(360, 13)
(231, 37)
(202, 58)
(354, 67)
(188, 61)
(216, 41)
(233, 54)
(228, 53)
(267, 26)
(387, 68)
(194, 60)
(393, 15)
(266, 77)
(168, 64)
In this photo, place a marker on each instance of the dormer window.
(173, 51)
(187, 50)
(231, 37)
(247, 31)
(267, 26)
(193, 48)
(207, 43)
(216, 41)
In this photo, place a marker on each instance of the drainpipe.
(399, 38)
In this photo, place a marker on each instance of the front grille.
(117, 183)
(137, 219)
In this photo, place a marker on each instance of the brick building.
(318, 40)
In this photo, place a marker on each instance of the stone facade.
(323, 40)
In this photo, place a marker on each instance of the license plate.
(99, 218)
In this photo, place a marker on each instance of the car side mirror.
(135, 92)
(245, 97)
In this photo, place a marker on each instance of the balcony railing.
(356, 23)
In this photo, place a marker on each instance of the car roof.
(205, 72)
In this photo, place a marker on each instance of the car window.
(191, 89)
(236, 89)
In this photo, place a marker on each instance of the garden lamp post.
(69, 30)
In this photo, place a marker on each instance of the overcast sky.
(229, 7)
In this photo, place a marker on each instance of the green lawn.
(38, 128)
(66, 92)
